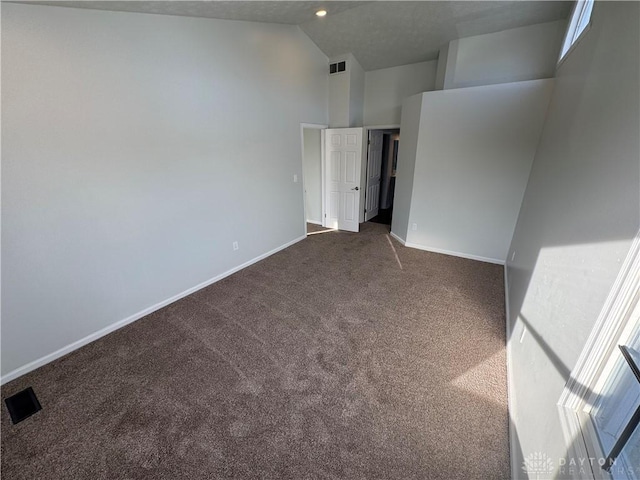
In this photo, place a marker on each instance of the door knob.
(356, 188)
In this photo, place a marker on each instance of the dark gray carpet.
(346, 356)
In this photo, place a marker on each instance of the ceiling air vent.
(337, 67)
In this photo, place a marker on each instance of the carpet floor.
(345, 356)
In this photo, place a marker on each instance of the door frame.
(322, 128)
(365, 159)
(382, 127)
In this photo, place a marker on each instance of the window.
(615, 412)
(580, 20)
(600, 405)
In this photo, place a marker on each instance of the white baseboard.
(18, 372)
(454, 254)
(513, 447)
(315, 222)
(506, 295)
(397, 238)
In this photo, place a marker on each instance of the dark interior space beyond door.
(391, 140)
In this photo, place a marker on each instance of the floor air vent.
(22, 405)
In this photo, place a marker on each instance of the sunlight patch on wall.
(567, 283)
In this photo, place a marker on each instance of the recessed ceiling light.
(321, 13)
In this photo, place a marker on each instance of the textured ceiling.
(292, 13)
(380, 34)
(386, 34)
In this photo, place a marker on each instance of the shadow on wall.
(577, 222)
(576, 197)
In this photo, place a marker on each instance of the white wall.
(410, 130)
(474, 152)
(312, 166)
(339, 86)
(346, 94)
(386, 89)
(579, 214)
(441, 70)
(356, 93)
(136, 148)
(515, 55)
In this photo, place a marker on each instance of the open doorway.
(312, 171)
(382, 158)
(348, 176)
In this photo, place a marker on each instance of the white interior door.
(374, 172)
(343, 156)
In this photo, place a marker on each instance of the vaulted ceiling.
(379, 33)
